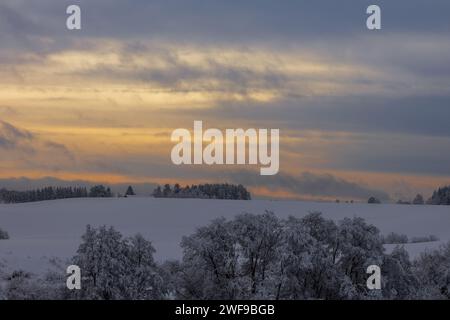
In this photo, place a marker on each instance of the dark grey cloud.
(224, 20)
(16, 20)
(11, 136)
(19, 143)
(309, 184)
(417, 115)
(404, 154)
(422, 115)
(59, 148)
(412, 44)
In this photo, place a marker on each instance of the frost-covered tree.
(259, 239)
(231, 259)
(117, 268)
(360, 245)
(310, 260)
(432, 268)
(210, 266)
(101, 257)
(398, 279)
(143, 280)
(324, 260)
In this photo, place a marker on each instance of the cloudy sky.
(360, 112)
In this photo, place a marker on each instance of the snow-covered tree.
(143, 280)
(310, 260)
(130, 191)
(440, 196)
(210, 267)
(360, 245)
(399, 281)
(259, 239)
(117, 268)
(432, 268)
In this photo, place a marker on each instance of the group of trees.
(418, 200)
(440, 197)
(52, 193)
(203, 191)
(249, 257)
(100, 191)
(263, 257)
(48, 193)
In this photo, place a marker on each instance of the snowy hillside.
(44, 230)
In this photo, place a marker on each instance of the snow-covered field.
(43, 230)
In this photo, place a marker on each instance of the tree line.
(203, 191)
(440, 197)
(53, 193)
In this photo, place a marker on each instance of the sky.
(360, 112)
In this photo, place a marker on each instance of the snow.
(43, 230)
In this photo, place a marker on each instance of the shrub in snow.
(21, 285)
(3, 235)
